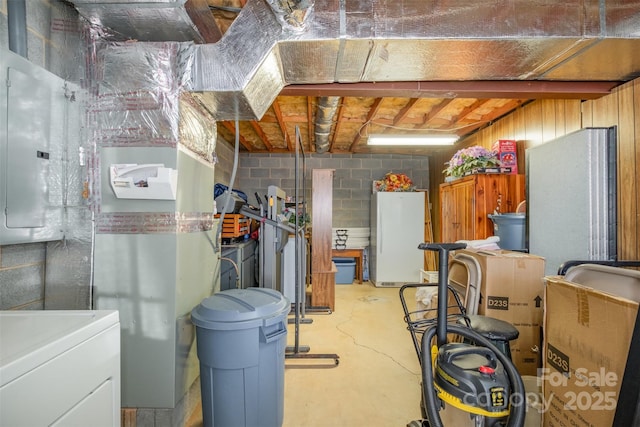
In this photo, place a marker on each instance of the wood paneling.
(605, 110)
(533, 125)
(543, 120)
(549, 126)
(572, 120)
(629, 169)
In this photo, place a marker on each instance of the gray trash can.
(241, 338)
(510, 227)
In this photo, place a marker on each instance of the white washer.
(59, 368)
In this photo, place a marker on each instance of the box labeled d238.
(506, 150)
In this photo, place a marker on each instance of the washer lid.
(30, 338)
(246, 307)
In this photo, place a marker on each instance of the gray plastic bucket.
(241, 339)
(510, 227)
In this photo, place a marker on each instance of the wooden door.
(495, 192)
(430, 263)
(447, 213)
(466, 207)
(466, 203)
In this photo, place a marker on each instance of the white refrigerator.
(397, 228)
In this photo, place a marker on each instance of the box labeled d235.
(512, 289)
(591, 350)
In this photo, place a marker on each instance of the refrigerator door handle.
(380, 235)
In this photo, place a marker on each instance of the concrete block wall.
(353, 179)
(54, 38)
(54, 42)
(22, 269)
(224, 166)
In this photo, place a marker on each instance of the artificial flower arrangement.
(394, 182)
(469, 159)
(303, 218)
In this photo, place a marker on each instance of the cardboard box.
(587, 342)
(506, 150)
(512, 289)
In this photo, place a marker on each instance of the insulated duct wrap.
(292, 14)
(245, 66)
(198, 130)
(142, 19)
(139, 86)
(413, 40)
(325, 114)
(153, 223)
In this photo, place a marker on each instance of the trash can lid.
(242, 307)
(507, 217)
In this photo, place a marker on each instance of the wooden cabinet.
(323, 271)
(466, 202)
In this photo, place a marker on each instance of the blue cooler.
(346, 270)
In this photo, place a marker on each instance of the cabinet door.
(466, 211)
(503, 192)
(466, 203)
(457, 210)
(447, 214)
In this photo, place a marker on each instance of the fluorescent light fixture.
(411, 140)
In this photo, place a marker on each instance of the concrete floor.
(377, 380)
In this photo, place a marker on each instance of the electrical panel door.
(28, 125)
(39, 126)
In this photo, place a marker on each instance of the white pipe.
(236, 154)
(17, 26)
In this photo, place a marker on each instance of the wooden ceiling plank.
(399, 119)
(488, 118)
(507, 108)
(263, 136)
(468, 110)
(336, 128)
(434, 111)
(310, 128)
(530, 89)
(281, 123)
(467, 129)
(231, 128)
(200, 14)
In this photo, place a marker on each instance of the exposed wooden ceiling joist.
(458, 89)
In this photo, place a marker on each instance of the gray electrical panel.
(27, 150)
(34, 131)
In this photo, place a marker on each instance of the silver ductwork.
(325, 113)
(292, 14)
(143, 20)
(350, 41)
(415, 40)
